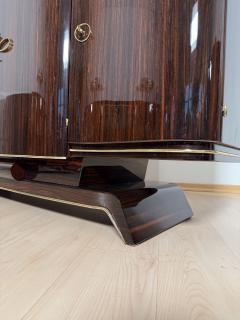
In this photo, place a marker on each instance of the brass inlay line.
(30, 156)
(68, 203)
(210, 152)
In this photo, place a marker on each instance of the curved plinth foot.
(138, 211)
(151, 209)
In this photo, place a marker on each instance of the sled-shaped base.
(139, 211)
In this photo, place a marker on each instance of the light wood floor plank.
(59, 267)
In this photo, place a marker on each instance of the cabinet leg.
(22, 171)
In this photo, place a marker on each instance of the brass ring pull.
(6, 45)
(82, 32)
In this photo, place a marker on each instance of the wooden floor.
(55, 267)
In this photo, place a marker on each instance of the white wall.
(212, 172)
(231, 124)
(194, 172)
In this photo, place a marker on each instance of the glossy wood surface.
(139, 211)
(63, 173)
(168, 150)
(151, 70)
(34, 77)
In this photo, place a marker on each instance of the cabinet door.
(34, 77)
(152, 69)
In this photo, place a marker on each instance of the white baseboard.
(209, 173)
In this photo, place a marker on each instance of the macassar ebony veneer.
(138, 210)
(109, 71)
(92, 89)
(192, 150)
(151, 70)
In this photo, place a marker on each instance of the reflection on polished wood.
(147, 83)
(194, 150)
(153, 70)
(138, 210)
(34, 77)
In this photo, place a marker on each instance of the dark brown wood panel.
(197, 150)
(34, 77)
(151, 70)
(138, 210)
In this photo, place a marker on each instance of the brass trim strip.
(69, 203)
(189, 151)
(30, 156)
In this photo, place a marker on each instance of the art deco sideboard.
(93, 89)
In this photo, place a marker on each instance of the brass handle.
(6, 45)
(225, 111)
(82, 32)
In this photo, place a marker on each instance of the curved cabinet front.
(34, 77)
(150, 70)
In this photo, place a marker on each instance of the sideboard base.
(138, 211)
